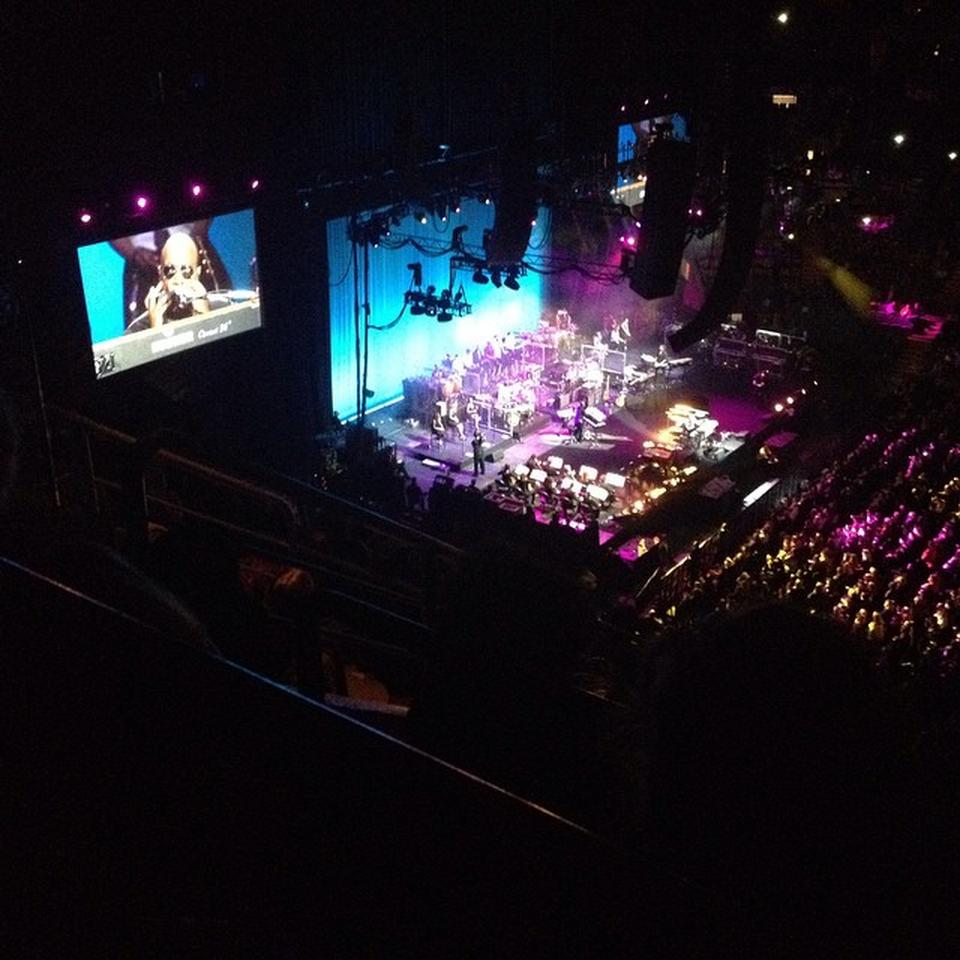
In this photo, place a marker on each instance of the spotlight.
(778, 407)
(422, 217)
(417, 309)
(141, 202)
(479, 276)
(952, 155)
(789, 401)
(783, 18)
(196, 189)
(899, 138)
(495, 278)
(511, 281)
(487, 201)
(86, 216)
(254, 184)
(866, 221)
(444, 317)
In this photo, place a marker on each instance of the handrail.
(321, 707)
(186, 463)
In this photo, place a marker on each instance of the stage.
(632, 435)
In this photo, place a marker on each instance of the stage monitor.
(163, 291)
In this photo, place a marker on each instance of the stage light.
(810, 154)
(899, 138)
(533, 223)
(417, 309)
(783, 17)
(422, 218)
(952, 155)
(511, 281)
(789, 401)
(444, 317)
(778, 407)
(791, 236)
(86, 216)
(196, 190)
(456, 209)
(479, 276)
(495, 278)
(866, 221)
(141, 202)
(254, 184)
(487, 201)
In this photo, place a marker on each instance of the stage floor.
(611, 448)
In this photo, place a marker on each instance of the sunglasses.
(169, 271)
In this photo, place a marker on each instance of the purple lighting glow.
(141, 202)
(196, 190)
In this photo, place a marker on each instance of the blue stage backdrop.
(417, 343)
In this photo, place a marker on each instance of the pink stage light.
(196, 189)
(141, 202)
(86, 217)
(631, 241)
(254, 184)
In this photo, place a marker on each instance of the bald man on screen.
(178, 294)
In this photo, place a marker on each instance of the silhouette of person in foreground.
(774, 773)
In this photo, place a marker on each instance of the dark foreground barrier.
(162, 802)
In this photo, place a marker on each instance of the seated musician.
(437, 429)
(453, 420)
(472, 412)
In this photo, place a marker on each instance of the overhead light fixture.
(899, 138)
(783, 17)
(444, 317)
(511, 281)
(479, 276)
(952, 155)
(422, 217)
(495, 278)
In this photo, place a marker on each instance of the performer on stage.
(477, 446)
(453, 420)
(473, 413)
(436, 425)
(577, 424)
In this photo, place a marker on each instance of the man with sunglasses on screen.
(179, 293)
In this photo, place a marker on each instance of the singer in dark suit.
(178, 294)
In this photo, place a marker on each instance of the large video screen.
(633, 140)
(159, 292)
